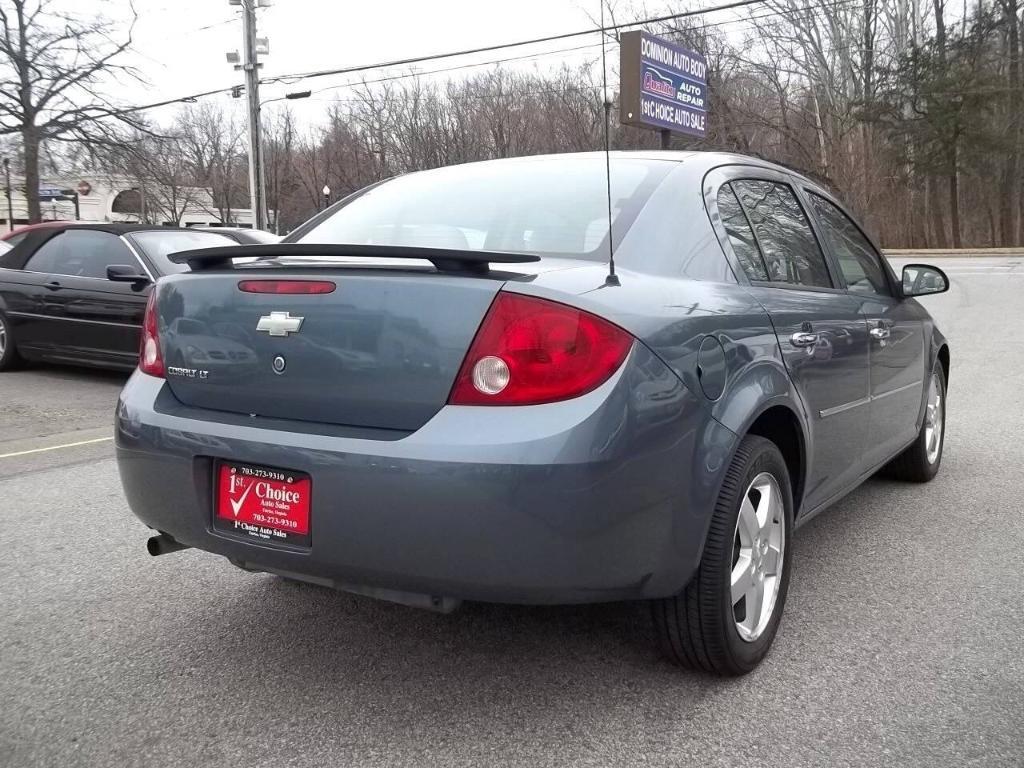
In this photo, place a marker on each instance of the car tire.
(9, 357)
(704, 628)
(920, 462)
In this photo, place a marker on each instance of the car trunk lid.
(381, 350)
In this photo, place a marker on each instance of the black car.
(77, 293)
(242, 235)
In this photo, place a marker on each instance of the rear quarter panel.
(673, 314)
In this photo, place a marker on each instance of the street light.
(289, 97)
(327, 195)
(236, 92)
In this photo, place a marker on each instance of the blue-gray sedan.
(440, 389)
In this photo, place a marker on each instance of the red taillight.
(151, 359)
(529, 351)
(286, 286)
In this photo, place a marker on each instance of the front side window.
(741, 236)
(545, 206)
(858, 260)
(88, 253)
(791, 252)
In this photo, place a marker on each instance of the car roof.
(25, 228)
(118, 228)
(37, 234)
(698, 162)
(113, 227)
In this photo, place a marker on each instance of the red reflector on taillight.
(530, 351)
(151, 359)
(286, 286)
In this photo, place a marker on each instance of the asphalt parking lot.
(901, 644)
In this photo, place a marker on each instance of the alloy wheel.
(3, 337)
(758, 547)
(933, 419)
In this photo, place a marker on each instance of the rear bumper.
(605, 497)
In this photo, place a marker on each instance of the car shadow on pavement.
(357, 670)
(73, 373)
(523, 666)
(298, 637)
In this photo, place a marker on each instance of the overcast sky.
(180, 44)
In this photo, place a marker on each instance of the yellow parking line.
(54, 447)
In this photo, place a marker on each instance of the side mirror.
(922, 280)
(123, 273)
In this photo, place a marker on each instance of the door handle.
(803, 339)
(880, 333)
(53, 285)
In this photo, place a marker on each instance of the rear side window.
(46, 258)
(741, 236)
(858, 260)
(790, 250)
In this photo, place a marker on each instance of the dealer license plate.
(267, 505)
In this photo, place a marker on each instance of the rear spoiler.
(445, 259)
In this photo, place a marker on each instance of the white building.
(103, 198)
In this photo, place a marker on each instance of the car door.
(820, 329)
(26, 297)
(101, 319)
(895, 326)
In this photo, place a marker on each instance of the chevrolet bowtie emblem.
(279, 323)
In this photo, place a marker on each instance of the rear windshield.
(555, 206)
(157, 245)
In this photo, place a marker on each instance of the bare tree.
(211, 140)
(280, 138)
(158, 166)
(1009, 209)
(53, 65)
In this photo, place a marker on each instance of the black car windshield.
(555, 206)
(157, 245)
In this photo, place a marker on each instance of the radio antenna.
(612, 278)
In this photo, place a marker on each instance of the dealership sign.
(663, 86)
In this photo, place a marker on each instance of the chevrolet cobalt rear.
(440, 389)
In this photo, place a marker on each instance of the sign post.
(663, 86)
(53, 194)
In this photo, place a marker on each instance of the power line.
(381, 65)
(535, 41)
(428, 73)
(214, 24)
(541, 54)
(179, 100)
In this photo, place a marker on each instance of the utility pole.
(257, 189)
(7, 190)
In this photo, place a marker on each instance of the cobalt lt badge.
(279, 364)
